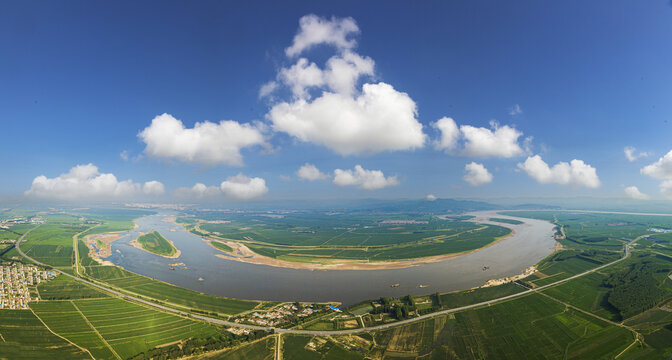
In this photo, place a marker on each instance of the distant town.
(15, 279)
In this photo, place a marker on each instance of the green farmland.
(23, 336)
(156, 244)
(188, 299)
(111, 326)
(321, 238)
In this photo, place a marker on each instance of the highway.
(626, 254)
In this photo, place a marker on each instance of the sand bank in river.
(243, 254)
(137, 245)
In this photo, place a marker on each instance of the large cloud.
(85, 182)
(634, 193)
(315, 30)
(328, 107)
(380, 119)
(498, 141)
(661, 169)
(310, 172)
(241, 187)
(576, 173)
(206, 143)
(364, 179)
(476, 174)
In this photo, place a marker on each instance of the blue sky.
(79, 80)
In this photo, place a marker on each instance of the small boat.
(200, 279)
(423, 286)
(486, 268)
(394, 285)
(171, 268)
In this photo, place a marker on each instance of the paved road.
(314, 332)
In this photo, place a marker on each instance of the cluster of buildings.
(277, 315)
(14, 282)
(660, 230)
(6, 223)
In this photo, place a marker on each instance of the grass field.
(221, 246)
(112, 326)
(529, 327)
(259, 350)
(64, 288)
(297, 347)
(23, 336)
(189, 299)
(52, 243)
(156, 244)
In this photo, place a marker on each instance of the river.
(207, 273)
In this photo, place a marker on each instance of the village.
(283, 314)
(15, 279)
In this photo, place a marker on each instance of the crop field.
(64, 288)
(23, 336)
(586, 293)
(462, 298)
(510, 330)
(156, 244)
(320, 237)
(52, 243)
(109, 326)
(259, 350)
(190, 299)
(299, 348)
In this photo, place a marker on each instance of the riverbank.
(98, 252)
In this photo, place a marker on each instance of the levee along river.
(207, 273)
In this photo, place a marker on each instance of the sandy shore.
(137, 245)
(243, 254)
(98, 254)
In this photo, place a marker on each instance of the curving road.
(313, 332)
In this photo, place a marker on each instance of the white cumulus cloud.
(634, 193)
(430, 197)
(575, 173)
(450, 134)
(498, 141)
(364, 179)
(83, 182)
(632, 155)
(315, 30)
(310, 172)
(476, 174)
(380, 119)
(661, 169)
(329, 107)
(153, 188)
(206, 143)
(241, 187)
